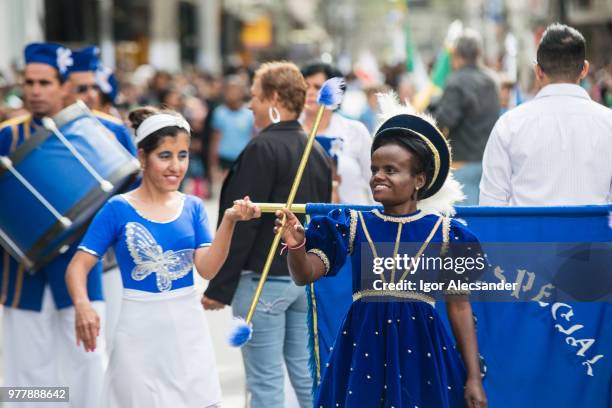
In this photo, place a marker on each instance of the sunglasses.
(85, 88)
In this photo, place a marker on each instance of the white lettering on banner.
(592, 361)
(518, 286)
(584, 344)
(569, 331)
(519, 280)
(556, 310)
(544, 292)
(556, 307)
(499, 274)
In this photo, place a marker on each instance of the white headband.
(159, 121)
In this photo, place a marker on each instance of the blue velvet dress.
(389, 352)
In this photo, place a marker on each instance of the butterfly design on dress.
(149, 258)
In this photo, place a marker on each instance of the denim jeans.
(469, 176)
(280, 333)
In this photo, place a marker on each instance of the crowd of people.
(197, 95)
(245, 133)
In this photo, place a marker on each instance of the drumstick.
(329, 97)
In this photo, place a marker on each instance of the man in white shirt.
(557, 148)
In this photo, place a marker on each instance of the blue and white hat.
(399, 120)
(55, 55)
(85, 59)
(106, 81)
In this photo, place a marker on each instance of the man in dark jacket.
(467, 113)
(265, 171)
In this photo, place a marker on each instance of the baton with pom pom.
(329, 97)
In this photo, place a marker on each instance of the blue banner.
(538, 352)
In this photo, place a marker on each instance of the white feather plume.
(451, 192)
(390, 106)
(444, 200)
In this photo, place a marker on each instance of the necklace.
(397, 241)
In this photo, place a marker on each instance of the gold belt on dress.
(393, 294)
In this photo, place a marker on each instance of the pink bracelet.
(287, 247)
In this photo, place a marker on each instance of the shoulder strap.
(16, 120)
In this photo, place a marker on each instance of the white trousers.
(113, 296)
(40, 350)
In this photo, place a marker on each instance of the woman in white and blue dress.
(162, 354)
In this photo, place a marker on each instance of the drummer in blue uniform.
(82, 85)
(38, 323)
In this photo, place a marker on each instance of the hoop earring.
(274, 114)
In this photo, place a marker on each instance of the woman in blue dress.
(393, 349)
(162, 354)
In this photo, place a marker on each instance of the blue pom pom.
(240, 333)
(331, 93)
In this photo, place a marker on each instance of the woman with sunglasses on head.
(162, 354)
(393, 349)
